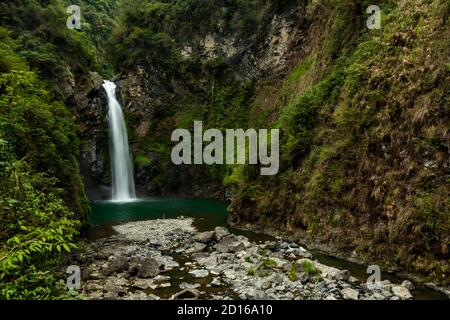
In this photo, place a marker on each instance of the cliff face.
(214, 76)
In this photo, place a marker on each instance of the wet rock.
(197, 247)
(350, 294)
(343, 275)
(93, 286)
(209, 262)
(186, 285)
(221, 232)
(165, 285)
(96, 276)
(186, 294)
(167, 262)
(204, 237)
(142, 284)
(117, 265)
(408, 285)
(401, 292)
(230, 244)
(148, 268)
(200, 273)
(216, 282)
(199, 256)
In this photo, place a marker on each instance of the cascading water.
(121, 165)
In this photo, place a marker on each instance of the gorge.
(363, 167)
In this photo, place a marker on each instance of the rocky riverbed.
(169, 259)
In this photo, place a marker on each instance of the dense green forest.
(363, 117)
(43, 204)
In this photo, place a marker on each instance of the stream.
(207, 215)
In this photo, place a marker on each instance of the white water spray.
(121, 165)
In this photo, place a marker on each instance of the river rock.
(350, 294)
(142, 284)
(209, 262)
(199, 273)
(408, 285)
(230, 244)
(186, 285)
(117, 265)
(148, 268)
(216, 282)
(343, 275)
(204, 237)
(186, 294)
(303, 277)
(197, 247)
(221, 232)
(401, 292)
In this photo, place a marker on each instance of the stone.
(148, 268)
(204, 237)
(350, 294)
(200, 273)
(408, 285)
(401, 292)
(283, 245)
(343, 275)
(142, 284)
(186, 294)
(199, 256)
(229, 244)
(258, 295)
(266, 285)
(117, 265)
(286, 267)
(221, 232)
(216, 282)
(167, 262)
(303, 277)
(209, 263)
(197, 247)
(186, 285)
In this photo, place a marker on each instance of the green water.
(212, 212)
(208, 214)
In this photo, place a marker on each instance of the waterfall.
(121, 166)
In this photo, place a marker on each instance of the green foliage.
(40, 178)
(292, 275)
(56, 52)
(309, 268)
(269, 264)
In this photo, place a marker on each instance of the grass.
(309, 268)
